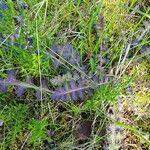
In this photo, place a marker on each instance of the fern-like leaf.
(65, 78)
(20, 87)
(66, 52)
(76, 90)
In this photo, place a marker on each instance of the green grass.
(87, 25)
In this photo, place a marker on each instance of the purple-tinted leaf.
(66, 52)
(55, 49)
(75, 91)
(11, 75)
(78, 90)
(95, 79)
(20, 91)
(69, 52)
(5, 82)
(59, 94)
(3, 6)
(73, 86)
(29, 80)
(38, 95)
(3, 87)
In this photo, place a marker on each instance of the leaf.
(66, 52)
(20, 90)
(76, 90)
(3, 6)
(21, 86)
(10, 78)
